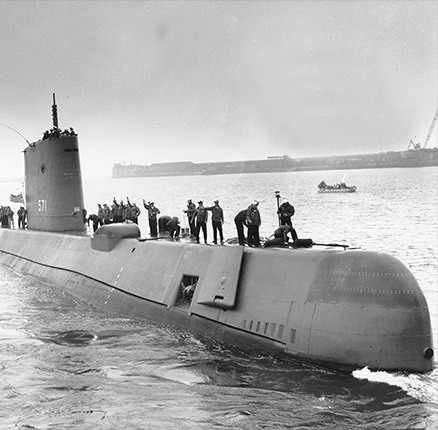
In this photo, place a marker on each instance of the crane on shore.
(417, 146)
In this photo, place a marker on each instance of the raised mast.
(54, 113)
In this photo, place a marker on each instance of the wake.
(420, 387)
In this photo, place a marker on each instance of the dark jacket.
(217, 214)
(201, 214)
(253, 216)
(241, 217)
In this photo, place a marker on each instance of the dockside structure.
(410, 158)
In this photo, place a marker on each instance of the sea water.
(65, 365)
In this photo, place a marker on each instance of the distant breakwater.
(410, 158)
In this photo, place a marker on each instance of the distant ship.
(344, 308)
(416, 155)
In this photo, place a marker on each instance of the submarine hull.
(344, 308)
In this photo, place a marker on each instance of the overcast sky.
(147, 82)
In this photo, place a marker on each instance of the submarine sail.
(53, 181)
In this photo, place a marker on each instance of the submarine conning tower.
(53, 181)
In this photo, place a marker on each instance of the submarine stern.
(368, 310)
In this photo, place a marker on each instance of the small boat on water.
(342, 187)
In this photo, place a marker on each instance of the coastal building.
(410, 158)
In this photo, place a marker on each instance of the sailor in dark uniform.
(153, 211)
(190, 211)
(201, 216)
(217, 218)
(285, 212)
(253, 221)
(240, 221)
(281, 236)
(174, 228)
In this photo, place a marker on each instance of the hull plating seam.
(216, 322)
(113, 287)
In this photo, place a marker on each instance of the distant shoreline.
(409, 158)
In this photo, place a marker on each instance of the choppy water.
(64, 365)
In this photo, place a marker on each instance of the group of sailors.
(251, 219)
(56, 132)
(159, 225)
(118, 212)
(197, 217)
(7, 217)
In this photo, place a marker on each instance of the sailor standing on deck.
(217, 218)
(4, 217)
(21, 217)
(285, 212)
(128, 210)
(201, 216)
(100, 214)
(240, 221)
(190, 211)
(253, 220)
(106, 212)
(118, 210)
(135, 213)
(10, 217)
(152, 214)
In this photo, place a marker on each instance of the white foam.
(421, 387)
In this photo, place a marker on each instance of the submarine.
(338, 307)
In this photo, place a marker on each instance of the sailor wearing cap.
(285, 212)
(190, 211)
(152, 214)
(106, 214)
(253, 221)
(201, 216)
(217, 218)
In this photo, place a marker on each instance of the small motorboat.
(342, 187)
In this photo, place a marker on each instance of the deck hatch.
(219, 286)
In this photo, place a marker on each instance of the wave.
(421, 387)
